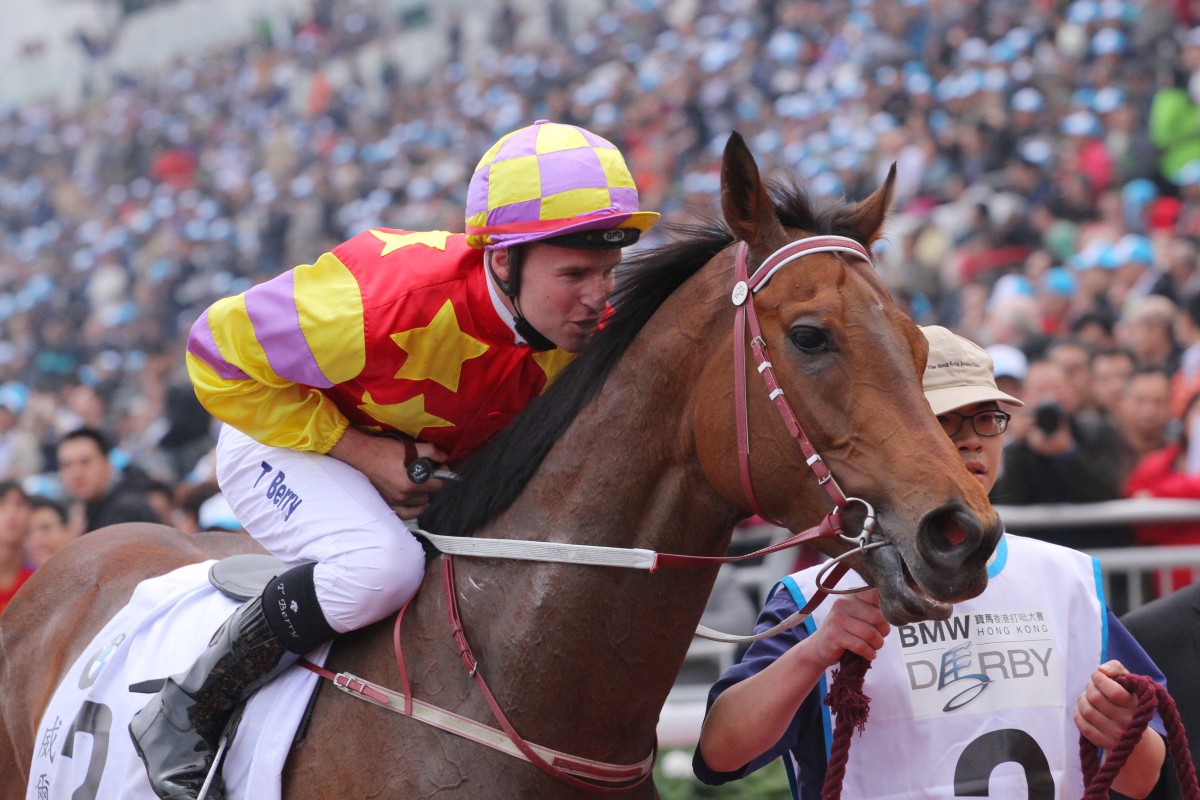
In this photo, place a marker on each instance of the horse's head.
(849, 362)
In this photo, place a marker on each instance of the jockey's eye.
(810, 339)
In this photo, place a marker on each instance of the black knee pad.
(291, 608)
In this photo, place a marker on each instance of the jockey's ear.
(501, 263)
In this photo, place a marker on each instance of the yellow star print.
(409, 417)
(552, 362)
(394, 241)
(437, 351)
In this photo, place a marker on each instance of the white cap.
(958, 373)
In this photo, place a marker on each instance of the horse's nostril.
(954, 532)
(949, 530)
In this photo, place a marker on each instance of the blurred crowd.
(1047, 204)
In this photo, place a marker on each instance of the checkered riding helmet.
(548, 180)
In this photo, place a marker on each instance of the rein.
(595, 775)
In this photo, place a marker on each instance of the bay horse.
(634, 446)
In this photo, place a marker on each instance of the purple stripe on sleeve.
(272, 310)
(202, 345)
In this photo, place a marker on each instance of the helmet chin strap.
(511, 288)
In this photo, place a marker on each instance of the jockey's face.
(563, 291)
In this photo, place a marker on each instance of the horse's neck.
(603, 645)
(626, 473)
(582, 658)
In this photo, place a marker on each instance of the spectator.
(1174, 115)
(1110, 370)
(1143, 418)
(1095, 330)
(1147, 329)
(99, 498)
(20, 454)
(48, 530)
(1055, 456)
(770, 704)
(1055, 294)
(14, 521)
(1010, 367)
(1074, 357)
(1134, 275)
(1177, 277)
(1172, 471)
(1187, 328)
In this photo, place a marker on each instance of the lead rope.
(1097, 779)
(847, 701)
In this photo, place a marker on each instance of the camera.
(1049, 417)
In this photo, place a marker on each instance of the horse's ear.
(867, 218)
(745, 202)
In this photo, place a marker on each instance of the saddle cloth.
(83, 747)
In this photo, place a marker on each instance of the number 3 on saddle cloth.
(83, 740)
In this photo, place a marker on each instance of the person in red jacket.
(14, 522)
(1172, 471)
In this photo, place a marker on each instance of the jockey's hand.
(855, 623)
(381, 459)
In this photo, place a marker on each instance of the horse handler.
(434, 340)
(991, 701)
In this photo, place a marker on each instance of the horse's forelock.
(798, 211)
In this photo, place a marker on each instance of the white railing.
(1125, 571)
(1112, 512)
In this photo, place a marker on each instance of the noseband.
(744, 288)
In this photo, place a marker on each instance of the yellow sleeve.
(259, 359)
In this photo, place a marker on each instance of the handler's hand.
(381, 459)
(1105, 707)
(855, 623)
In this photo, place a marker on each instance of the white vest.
(981, 704)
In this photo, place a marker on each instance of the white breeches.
(307, 507)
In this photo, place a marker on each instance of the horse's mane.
(494, 476)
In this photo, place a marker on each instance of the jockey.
(333, 376)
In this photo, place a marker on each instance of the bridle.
(744, 288)
(594, 775)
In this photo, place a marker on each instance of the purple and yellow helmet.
(551, 180)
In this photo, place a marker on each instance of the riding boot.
(178, 731)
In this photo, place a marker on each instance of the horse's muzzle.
(953, 545)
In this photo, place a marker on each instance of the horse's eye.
(811, 340)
